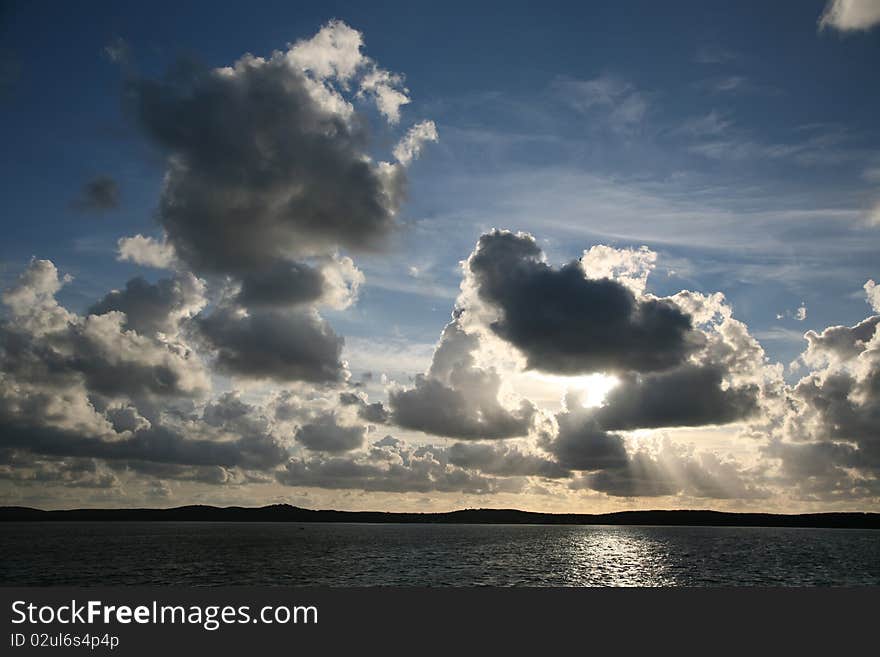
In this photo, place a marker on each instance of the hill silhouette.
(287, 513)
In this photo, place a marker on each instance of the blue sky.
(737, 141)
(790, 110)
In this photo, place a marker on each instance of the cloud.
(709, 125)
(154, 445)
(850, 15)
(98, 195)
(581, 444)
(669, 470)
(391, 466)
(872, 290)
(375, 412)
(285, 283)
(332, 281)
(28, 470)
(279, 345)
(457, 398)
(624, 105)
(46, 345)
(714, 54)
(152, 308)
(412, 143)
(270, 176)
(731, 84)
(828, 446)
(118, 51)
(326, 434)
(691, 395)
(565, 322)
(630, 267)
(268, 159)
(504, 460)
(146, 251)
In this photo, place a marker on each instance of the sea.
(419, 555)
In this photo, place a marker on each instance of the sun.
(592, 389)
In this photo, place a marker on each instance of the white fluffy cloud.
(850, 15)
(146, 251)
(412, 143)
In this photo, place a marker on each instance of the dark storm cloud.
(154, 307)
(456, 398)
(282, 284)
(564, 322)
(325, 434)
(689, 396)
(274, 344)
(261, 166)
(98, 195)
(504, 461)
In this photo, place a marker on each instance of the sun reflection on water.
(618, 556)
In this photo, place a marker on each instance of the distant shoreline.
(286, 513)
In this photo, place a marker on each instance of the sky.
(419, 256)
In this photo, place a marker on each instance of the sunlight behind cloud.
(591, 389)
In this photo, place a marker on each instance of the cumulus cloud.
(690, 395)
(838, 344)
(828, 446)
(872, 290)
(94, 387)
(565, 322)
(280, 345)
(326, 434)
(850, 15)
(43, 343)
(146, 251)
(391, 466)
(581, 443)
(152, 308)
(457, 398)
(375, 412)
(285, 283)
(270, 178)
(98, 195)
(24, 469)
(268, 158)
(630, 267)
(504, 460)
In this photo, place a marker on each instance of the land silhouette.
(287, 513)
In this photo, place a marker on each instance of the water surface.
(318, 554)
